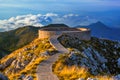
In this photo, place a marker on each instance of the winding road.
(44, 69)
(56, 44)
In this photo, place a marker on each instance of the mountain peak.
(99, 23)
(56, 25)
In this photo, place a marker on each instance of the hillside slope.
(23, 62)
(94, 58)
(14, 39)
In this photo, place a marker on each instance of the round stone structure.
(81, 33)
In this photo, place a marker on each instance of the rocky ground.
(22, 63)
(100, 56)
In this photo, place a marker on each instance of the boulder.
(2, 77)
(8, 62)
(118, 62)
(33, 47)
(30, 54)
(117, 77)
(14, 63)
(91, 79)
(18, 65)
(28, 78)
(46, 53)
(26, 49)
(80, 79)
(2, 67)
(25, 63)
(21, 77)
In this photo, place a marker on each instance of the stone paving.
(44, 70)
(56, 44)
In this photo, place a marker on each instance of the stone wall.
(83, 34)
(48, 34)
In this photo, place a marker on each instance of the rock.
(2, 67)
(117, 77)
(18, 67)
(2, 77)
(26, 49)
(19, 54)
(80, 79)
(22, 77)
(8, 62)
(46, 53)
(25, 63)
(91, 79)
(28, 78)
(33, 47)
(34, 57)
(14, 63)
(118, 62)
(72, 56)
(18, 64)
(30, 54)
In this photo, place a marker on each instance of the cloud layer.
(41, 20)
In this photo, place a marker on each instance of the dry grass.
(30, 69)
(65, 72)
(70, 72)
(104, 77)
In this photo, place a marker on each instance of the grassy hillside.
(14, 39)
(24, 61)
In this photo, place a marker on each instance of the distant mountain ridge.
(100, 30)
(14, 39)
(17, 38)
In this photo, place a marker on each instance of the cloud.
(19, 21)
(41, 20)
(51, 15)
(70, 15)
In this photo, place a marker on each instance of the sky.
(106, 11)
(60, 5)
